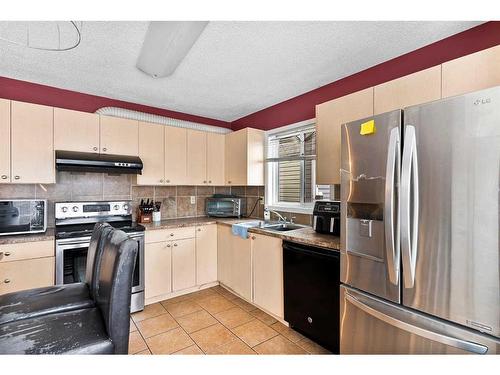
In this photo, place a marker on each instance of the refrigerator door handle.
(391, 222)
(409, 206)
(465, 345)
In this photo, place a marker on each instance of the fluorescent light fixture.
(166, 44)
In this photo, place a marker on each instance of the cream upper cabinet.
(196, 157)
(245, 157)
(4, 141)
(268, 273)
(473, 72)
(157, 269)
(329, 118)
(417, 88)
(175, 155)
(215, 159)
(76, 131)
(183, 264)
(151, 152)
(32, 143)
(206, 254)
(119, 136)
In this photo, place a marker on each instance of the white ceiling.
(234, 69)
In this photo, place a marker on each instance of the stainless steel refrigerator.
(420, 193)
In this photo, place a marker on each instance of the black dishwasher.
(311, 288)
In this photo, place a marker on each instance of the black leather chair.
(49, 300)
(103, 329)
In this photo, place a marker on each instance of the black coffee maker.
(326, 217)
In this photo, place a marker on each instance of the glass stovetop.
(85, 230)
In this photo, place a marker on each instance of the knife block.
(144, 217)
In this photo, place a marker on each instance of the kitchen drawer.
(26, 250)
(26, 274)
(159, 235)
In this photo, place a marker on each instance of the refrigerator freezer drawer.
(369, 325)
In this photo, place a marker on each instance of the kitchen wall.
(302, 107)
(176, 200)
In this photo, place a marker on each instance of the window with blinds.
(291, 158)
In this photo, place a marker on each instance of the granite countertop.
(179, 223)
(306, 235)
(48, 235)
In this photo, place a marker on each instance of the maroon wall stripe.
(41, 94)
(302, 107)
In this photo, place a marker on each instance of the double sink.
(278, 227)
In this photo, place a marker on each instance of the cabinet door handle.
(171, 234)
(161, 181)
(7, 253)
(6, 281)
(168, 245)
(253, 237)
(4, 177)
(210, 181)
(199, 229)
(17, 177)
(175, 244)
(104, 149)
(94, 148)
(168, 181)
(229, 182)
(205, 182)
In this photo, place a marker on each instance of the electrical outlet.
(193, 199)
(262, 200)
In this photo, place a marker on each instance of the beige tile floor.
(213, 321)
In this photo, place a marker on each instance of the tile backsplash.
(176, 200)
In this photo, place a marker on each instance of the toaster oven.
(226, 207)
(23, 216)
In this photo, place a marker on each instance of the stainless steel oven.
(74, 224)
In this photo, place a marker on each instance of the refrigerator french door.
(438, 217)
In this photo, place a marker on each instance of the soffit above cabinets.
(233, 69)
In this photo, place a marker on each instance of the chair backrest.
(94, 256)
(115, 286)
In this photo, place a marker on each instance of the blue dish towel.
(241, 229)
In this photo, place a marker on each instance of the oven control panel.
(66, 210)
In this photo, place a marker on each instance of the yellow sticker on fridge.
(367, 128)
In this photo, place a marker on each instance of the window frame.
(271, 175)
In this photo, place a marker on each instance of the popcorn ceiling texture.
(176, 200)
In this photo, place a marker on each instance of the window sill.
(293, 209)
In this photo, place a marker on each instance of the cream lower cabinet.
(473, 72)
(206, 254)
(329, 118)
(157, 269)
(183, 264)
(32, 143)
(235, 262)
(26, 265)
(241, 266)
(4, 141)
(268, 273)
(224, 249)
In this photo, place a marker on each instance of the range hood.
(89, 162)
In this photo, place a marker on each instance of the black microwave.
(23, 216)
